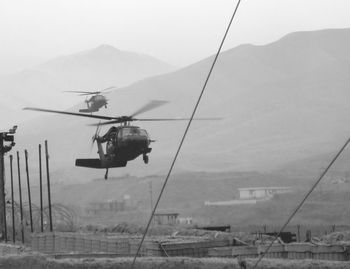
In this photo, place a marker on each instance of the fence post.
(308, 236)
(48, 184)
(41, 192)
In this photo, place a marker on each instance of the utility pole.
(4, 137)
(151, 194)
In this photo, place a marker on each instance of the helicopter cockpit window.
(143, 132)
(133, 131)
(99, 97)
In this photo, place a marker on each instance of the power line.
(303, 201)
(185, 133)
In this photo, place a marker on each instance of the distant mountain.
(281, 102)
(95, 69)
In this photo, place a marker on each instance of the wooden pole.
(20, 197)
(41, 192)
(29, 197)
(12, 202)
(2, 192)
(48, 184)
(8, 137)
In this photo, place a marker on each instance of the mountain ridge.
(276, 108)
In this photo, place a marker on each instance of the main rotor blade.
(86, 92)
(149, 106)
(177, 119)
(112, 87)
(121, 120)
(91, 93)
(107, 122)
(70, 113)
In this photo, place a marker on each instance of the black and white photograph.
(174, 134)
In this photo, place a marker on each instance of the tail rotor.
(96, 135)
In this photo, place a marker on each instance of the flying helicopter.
(124, 142)
(96, 101)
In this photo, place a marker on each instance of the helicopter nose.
(138, 141)
(141, 139)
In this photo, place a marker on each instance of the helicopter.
(124, 143)
(96, 101)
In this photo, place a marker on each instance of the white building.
(185, 220)
(257, 193)
(251, 195)
(230, 202)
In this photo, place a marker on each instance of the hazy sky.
(179, 32)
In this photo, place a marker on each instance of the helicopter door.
(112, 142)
(110, 147)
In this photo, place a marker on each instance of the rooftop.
(263, 188)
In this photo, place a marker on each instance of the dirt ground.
(38, 261)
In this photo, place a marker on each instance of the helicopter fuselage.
(95, 103)
(123, 144)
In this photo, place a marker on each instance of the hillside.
(280, 103)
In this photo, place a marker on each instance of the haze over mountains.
(89, 70)
(280, 103)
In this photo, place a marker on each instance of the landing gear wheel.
(145, 158)
(106, 175)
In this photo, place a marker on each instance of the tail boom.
(97, 164)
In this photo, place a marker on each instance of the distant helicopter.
(96, 101)
(123, 143)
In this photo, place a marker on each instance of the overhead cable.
(185, 133)
(303, 201)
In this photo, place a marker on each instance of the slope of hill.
(280, 102)
(94, 69)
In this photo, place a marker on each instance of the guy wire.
(185, 133)
(303, 201)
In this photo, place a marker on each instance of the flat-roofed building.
(255, 193)
(252, 195)
(168, 218)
